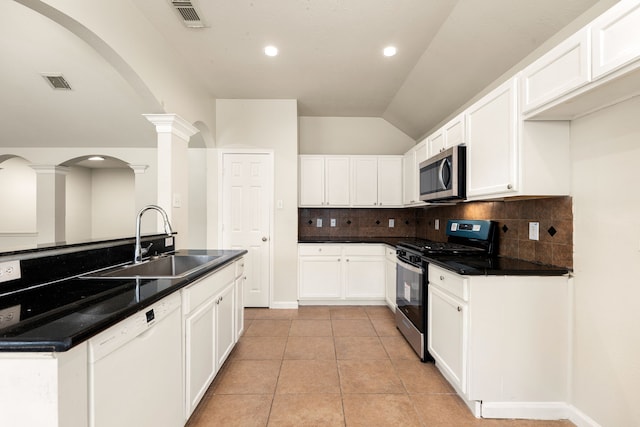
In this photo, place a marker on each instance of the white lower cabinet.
(211, 313)
(331, 273)
(390, 282)
(502, 341)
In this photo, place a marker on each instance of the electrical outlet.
(333, 222)
(10, 270)
(534, 231)
(436, 224)
(392, 222)
(9, 316)
(319, 222)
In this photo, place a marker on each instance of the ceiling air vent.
(57, 81)
(188, 13)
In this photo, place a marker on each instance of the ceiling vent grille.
(57, 81)
(188, 13)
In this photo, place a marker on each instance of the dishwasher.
(135, 370)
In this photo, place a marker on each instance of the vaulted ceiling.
(330, 61)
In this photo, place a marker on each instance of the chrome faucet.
(139, 251)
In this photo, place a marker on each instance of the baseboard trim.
(580, 419)
(526, 410)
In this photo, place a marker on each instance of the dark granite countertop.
(60, 315)
(494, 266)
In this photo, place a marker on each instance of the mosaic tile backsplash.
(555, 216)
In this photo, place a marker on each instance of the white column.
(173, 169)
(50, 203)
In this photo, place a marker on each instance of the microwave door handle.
(440, 175)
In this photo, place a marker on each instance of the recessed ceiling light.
(271, 51)
(96, 158)
(389, 51)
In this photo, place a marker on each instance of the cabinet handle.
(459, 308)
(338, 259)
(441, 277)
(347, 259)
(509, 186)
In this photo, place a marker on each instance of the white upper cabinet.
(615, 37)
(563, 69)
(492, 143)
(358, 181)
(390, 181)
(324, 181)
(451, 134)
(410, 169)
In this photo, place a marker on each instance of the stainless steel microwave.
(443, 177)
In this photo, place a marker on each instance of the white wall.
(18, 189)
(78, 205)
(273, 125)
(351, 135)
(606, 173)
(113, 203)
(197, 198)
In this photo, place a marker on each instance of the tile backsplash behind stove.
(554, 215)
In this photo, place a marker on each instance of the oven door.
(410, 293)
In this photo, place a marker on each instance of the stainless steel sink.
(165, 267)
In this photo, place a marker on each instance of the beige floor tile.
(353, 328)
(359, 348)
(310, 328)
(442, 410)
(348, 312)
(398, 348)
(265, 313)
(268, 328)
(248, 377)
(379, 312)
(308, 376)
(233, 411)
(385, 327)
(310, 348)
(318, 410)
(250, 313)
(260, 348)
(369, 376)
(313, 312)
(420, 377)
(381, 410)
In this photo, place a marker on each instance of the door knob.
(264, 239)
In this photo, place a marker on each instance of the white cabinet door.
(320, 277)
(312, 181)
(224, 323)
(390, 181)
(409, 181)
(200, 364)
(364, 181)
(337, 181)
(563, 69)
(364, 277)
(455, 131)
(615, 36)
(436, 142)
(447, 329)
(239, 284)
(492, 143)
(390, 266)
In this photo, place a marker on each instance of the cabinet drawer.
(366, 250)
(199, 292)
(454, 284)
(325, 249)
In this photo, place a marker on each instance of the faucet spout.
(139, 252)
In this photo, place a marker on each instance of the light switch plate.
(436, 224)
(392, 222)
(10, 270)
(319, 222)
(534, 231)
(333, 222)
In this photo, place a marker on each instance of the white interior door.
(247, 194)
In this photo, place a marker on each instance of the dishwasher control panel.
(131, 327)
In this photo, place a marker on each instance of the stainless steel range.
(467, 241)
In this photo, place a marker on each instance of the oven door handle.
(409, 267)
